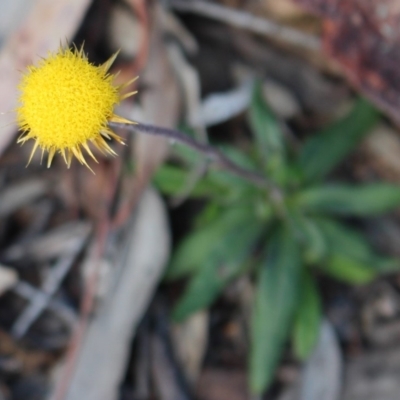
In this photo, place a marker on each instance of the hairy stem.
(213, 154)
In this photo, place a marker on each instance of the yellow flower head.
(66, 102)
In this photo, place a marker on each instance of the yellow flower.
(66, 102)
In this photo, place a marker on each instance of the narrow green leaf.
(210, 213)
(171, 180)
(224, 263)
(276, 300)
(204, 242)
(226, 178)
(351, 258)
(186, 154)
(361, 200)
(238, 156)
(348, 269)
(342, 238)
(324, 151)
(315, 246)
(308, 317)
(265, 127)
(201, 291)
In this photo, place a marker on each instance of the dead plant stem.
(248, 21)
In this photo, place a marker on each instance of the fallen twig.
(40, 302)
(248, 21)
(30, 293)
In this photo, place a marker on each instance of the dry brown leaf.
(8, 278)
(190, 339)
(54, 243)
(21, 193)
(285, 10)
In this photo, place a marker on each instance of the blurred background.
(166, 276)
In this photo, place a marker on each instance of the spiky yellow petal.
(65, 102)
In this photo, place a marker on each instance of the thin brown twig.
(248, 21)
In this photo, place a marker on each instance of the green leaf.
(224, 263)
(345, 239)
(351, 258)
(362, 200)
(276, 300)
(348, 269)
(308, 318)
(171, 180)
(238, 156)
(201, 291)
(324, 151)
(204, 242)
(188, 155)
(265, 127)
(226, 178)
(315, 246)
(208, 215)
(192, 159)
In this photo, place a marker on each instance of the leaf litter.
(61, 232)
